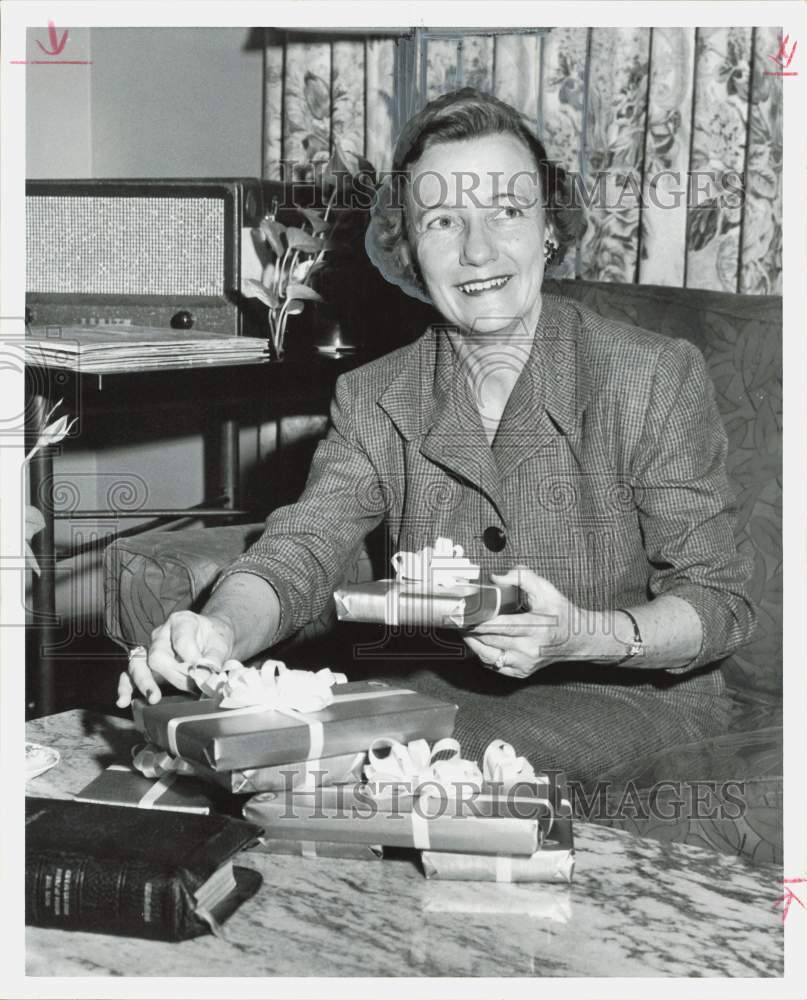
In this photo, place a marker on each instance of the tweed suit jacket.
(606, 476)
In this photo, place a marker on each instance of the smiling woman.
(585, 461)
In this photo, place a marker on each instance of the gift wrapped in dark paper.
(483, 824)
(255, 736)
(120, 785)
(341, 769)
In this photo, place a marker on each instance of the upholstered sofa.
(736, 778)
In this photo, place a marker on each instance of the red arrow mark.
(57, 44)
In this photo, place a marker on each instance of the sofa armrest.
(149, 576)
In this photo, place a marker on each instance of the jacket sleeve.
(686, 504)
(306, 547)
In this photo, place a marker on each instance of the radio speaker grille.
(94, 245)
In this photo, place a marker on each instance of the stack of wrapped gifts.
(341, 769)
(337, 769)
(267, 730)
(502, 823)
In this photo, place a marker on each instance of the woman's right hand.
(185, 640)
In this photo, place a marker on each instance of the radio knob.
(182, 320)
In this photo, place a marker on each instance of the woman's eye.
(509, 212)
(440, 222)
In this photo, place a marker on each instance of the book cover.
(144, 873)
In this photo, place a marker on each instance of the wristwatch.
(636, 645)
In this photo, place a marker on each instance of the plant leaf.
(34, 521)
(255, 290)
(318, 224)
(295, 291)
(298, 239)
(30, 558)
(273, 232)
(294, 307)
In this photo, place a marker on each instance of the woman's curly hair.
(461, 114)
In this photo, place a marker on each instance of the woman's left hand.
(518, 645)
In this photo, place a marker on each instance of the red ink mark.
(783, 58)
(51, 62)
(788, 896)
(57, 44)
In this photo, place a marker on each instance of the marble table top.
(636, 908)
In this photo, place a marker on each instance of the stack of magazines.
(135, 348)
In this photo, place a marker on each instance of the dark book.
(139, 872)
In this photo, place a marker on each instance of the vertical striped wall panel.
(347, 95)
(719, 127)
(761, 246)
(306, 104)
(613, 149)
(379, 88)
(561, 108)
(273, 110)
(477, 62)
(662, 257)
(675, 133)
(517, 72)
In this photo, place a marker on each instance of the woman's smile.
(480, 246)
(482, 286)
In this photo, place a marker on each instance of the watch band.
(636, 645)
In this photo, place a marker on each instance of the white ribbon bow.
(154, 762)
(436, 567)
(415, 766)
(502, 766)
(273, 686)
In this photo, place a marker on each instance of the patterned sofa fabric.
(741, 339)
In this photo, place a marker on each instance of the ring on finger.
(500, 660)
(138, 653)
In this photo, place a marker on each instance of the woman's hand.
(185, 640)
(518, 645)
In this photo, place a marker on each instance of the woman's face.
(477, 230)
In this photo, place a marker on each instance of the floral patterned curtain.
(675, 134)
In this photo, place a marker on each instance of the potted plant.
(298, 253)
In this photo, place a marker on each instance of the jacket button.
(494, 539)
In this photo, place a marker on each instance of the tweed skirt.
(581, 718)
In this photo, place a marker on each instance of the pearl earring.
(550, 250)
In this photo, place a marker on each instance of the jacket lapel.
(431, 399)
(549, 397)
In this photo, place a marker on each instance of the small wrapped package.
(546, 865)
(435, 587)
(314, 850)
(298, 775)
(429, 797)
(153, 762)
(484, 824)
(390, 602)
(124, 786)
(258, 723)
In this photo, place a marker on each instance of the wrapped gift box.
(234, 739)
(314, 850)
(390, 602)
(546, 865)
(487, 824)
(123, 786)
(342, 769)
